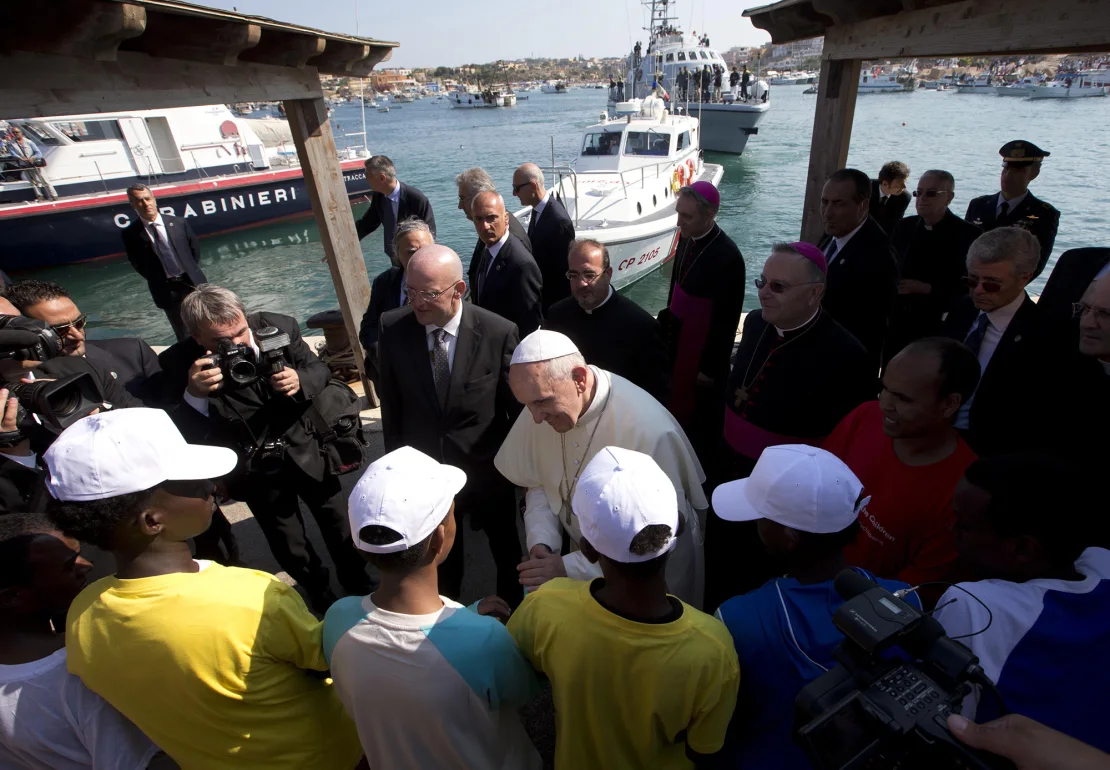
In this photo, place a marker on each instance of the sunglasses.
(928, 193)
(780, 287)
(78, 324)
(516, 187)
(990, 286)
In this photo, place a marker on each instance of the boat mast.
(659, 20)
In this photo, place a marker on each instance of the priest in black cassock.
(797, 374)
(931, 249)
(610, 330)
(702, 315)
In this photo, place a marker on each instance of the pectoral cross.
(741, 396)
(565, 512)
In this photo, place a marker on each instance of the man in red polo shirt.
(909, 457)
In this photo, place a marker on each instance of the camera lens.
(242, 371)
(65, 402)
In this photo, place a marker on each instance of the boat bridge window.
(682, 56)
(693, 55)
(703, 54)
(89, 130)
(38, 135)
(670, 57)
(602, 143)
(683, 140)
(647, 143)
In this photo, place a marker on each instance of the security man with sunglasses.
(1017, 346)
(931, 249)
(131, 362)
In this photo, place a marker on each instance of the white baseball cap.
(798, 486)
(406, 491)
(128, 450)
(621, 492)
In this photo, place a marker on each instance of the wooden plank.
(41, 84)
(284, 49)
(308, 122)
(977, 27)
(832, 132)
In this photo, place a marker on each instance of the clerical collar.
(697, 238)
(607, 298)
(784, 332)
(601, 395)
(540, 206)
(840, 242)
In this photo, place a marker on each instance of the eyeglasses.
(587, 277)
(429, 296)
(990, 286)
(1082, 309)
(928, 193)
(780, 287)
(516, 187)
(77, 323)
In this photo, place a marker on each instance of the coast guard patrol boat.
(620, 190)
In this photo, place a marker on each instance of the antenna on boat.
(362, 95)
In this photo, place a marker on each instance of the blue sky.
(452, 32)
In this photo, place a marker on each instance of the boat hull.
(1072, 92)
(82, 229)
(725, 128)
(1013, 91)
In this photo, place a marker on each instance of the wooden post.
(832, 132)
(308, 122)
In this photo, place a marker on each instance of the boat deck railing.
(658, 169)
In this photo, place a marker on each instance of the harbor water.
(279, 266)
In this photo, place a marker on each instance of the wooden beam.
(42, 84)
(977, 28)
(377, 56)
(174, 36)
(284, 49)
(832, 133)
(308, 122)
(72, 28)
(340, 56)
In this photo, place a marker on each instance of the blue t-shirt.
(774, 668)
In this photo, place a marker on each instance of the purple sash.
(694, 315)
(750, 440)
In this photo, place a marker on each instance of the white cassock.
(621, 414)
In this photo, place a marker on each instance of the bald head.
(491, 221)
(1094, 323)
(528, 184)
(435, 284)
(436, 260)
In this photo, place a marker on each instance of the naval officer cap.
(543, 345)
(1021, 153)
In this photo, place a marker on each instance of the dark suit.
(1069, 279)
(515, 228)
(1033, 214)
(21, 488)
(465, 432)
(411, 203)
(888, 214)
(132, 363)
(385, 295)
(936, 256)
(862, 282)
(551, 236)
(240, 418)
(166, 291)
(1009, 411)
(511, 287)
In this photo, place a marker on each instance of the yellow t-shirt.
(627, 694)
(211, 666)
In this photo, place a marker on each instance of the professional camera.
(879, 710)
(238, 363)
(28, 339)
(57, 404)
(269, 456)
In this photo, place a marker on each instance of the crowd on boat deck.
(673, 515)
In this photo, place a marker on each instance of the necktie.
(166, 254)
(974, 339)
(441, 371)
(831, 252)
(532, 222)
(1004, 209)
(389, 224)
(483, 270)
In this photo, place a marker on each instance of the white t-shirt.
(49, 720)
(431, 691)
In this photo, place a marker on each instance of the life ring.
(689, 171)
(678, 179)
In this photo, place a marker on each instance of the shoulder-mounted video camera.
(881, 711)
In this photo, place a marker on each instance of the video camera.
(53, 405)
(238, 363)
(876, 711)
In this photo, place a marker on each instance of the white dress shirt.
(843, 241)
(395, 199)
(1013, 203)
(494, 250)
(999, 321)
(540, 206)
(201, 404)
(452, 329)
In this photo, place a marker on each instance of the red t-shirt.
(906, 528)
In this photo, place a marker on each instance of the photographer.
(233, 397)
(31, 352)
